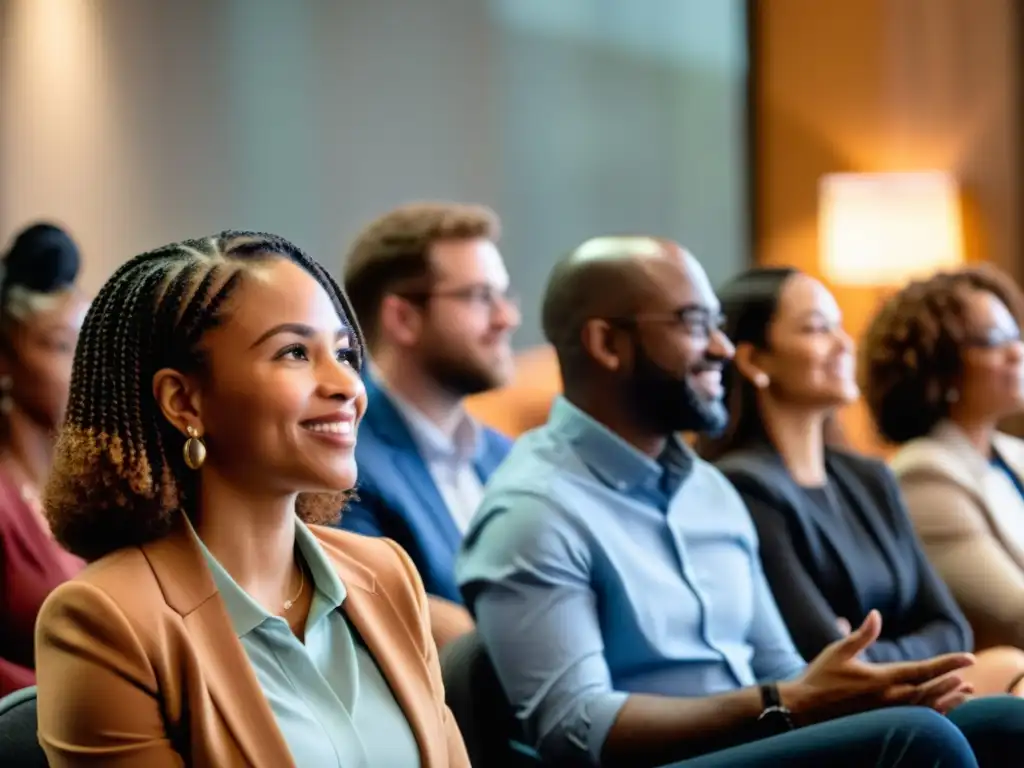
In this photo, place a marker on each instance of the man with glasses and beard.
(615, 580)
(431, 293)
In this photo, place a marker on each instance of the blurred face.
(38, 359)
(282, 398)
(993, 358)
(675, 379)
(809, 360)
(469, 318)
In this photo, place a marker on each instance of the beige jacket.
(970, 517)
(138, 664)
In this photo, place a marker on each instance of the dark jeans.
(986, 732)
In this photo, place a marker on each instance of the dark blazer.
(397, 495)
(799, 557)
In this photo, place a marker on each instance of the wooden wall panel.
(880, 85)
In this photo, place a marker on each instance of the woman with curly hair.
(942, 364)
(215, 397)
(41, 311)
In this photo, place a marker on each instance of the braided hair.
(910, 355)
(119, 478)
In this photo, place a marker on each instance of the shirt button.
(621, 485)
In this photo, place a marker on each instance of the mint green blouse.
(329, 698)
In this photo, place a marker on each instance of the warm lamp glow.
(881, 229)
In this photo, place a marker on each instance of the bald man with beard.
(615, 578)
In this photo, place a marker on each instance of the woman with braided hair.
(40, 314)
(942, 365)
(215, 398)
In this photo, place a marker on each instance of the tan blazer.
(138, 665)
(970, 518)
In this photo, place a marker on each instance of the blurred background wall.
(139, 122)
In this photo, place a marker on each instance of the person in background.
(836, 541)
(215, 401)
(614, 575)
(431, 293)
(41, 312)
(942, 364)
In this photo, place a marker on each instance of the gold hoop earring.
(194, 450)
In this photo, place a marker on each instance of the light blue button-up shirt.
(591, 579)
(449, 459)
(329, 698)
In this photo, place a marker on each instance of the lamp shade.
(880, 229)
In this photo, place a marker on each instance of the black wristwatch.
(776, 717)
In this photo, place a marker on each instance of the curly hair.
(910, 355)
(118, 477)
(393, 252)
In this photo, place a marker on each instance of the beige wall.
(877, 85)
(140, 122)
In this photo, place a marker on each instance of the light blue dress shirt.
(593, 574)
(329, 698)
(451, 460)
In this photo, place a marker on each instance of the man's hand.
(838, 682)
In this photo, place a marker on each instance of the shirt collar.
(461, 446)
(612, 459)
(246, 614)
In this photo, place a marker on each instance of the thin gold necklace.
(302, 583)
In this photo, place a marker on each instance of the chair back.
(480, 706)
(19, 744)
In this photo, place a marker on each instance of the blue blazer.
(397, 497)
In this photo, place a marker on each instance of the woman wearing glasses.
(943, 364)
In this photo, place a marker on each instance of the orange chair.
(526, 401)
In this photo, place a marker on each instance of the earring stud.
(761, 380)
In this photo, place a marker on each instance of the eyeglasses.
(696, 321)
(993, 338)
(481, 295)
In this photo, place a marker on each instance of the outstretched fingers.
(921, 672)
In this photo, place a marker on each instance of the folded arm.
(98, 702)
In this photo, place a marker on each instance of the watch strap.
(775, 713)
(770, 696)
